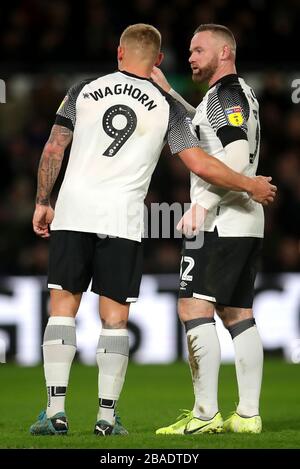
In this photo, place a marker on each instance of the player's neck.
(228, 69)
(140, 71)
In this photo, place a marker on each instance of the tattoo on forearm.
(50, 162)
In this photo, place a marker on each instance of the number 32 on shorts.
(185, 274)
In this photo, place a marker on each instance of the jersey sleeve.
(190, 109)
(228, 112)
(180, 133)
(66, 113)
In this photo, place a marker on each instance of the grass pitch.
(151, 398)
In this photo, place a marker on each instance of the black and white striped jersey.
(228, 112)
(120, 123)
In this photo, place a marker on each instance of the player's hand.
(159, 78)
(192, 221)
(42, 217)
(263, 191)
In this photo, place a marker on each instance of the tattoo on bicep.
(50, 162)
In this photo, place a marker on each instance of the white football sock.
(112, 359)
(59, 348)
(204, 360)
(249, 367)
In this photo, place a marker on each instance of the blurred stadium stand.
(24, 307)
(47, 45)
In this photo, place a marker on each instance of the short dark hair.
(218, 29)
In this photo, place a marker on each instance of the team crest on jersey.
(234, 115)
(62, 103)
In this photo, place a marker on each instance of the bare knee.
(113, 315)
(230, 315)
(64, 303)
(193, 308)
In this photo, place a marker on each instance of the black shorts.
(222, 271)
(113, 264)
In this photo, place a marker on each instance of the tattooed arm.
(49, 168)
(50, 162)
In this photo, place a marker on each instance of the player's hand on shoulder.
(159, 78)
(191, 222)
(263, 191)
(42, 217)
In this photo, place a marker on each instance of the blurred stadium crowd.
(42, 31)
(47, 45)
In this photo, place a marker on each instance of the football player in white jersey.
(118, 124)
(220, 276)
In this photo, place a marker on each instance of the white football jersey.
(120, 123)
(229, 112)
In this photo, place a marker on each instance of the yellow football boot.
(187, 424)
(237, 424)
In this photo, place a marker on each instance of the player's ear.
(120, 54)
(225, 53)
(159, 59)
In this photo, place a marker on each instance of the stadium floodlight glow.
(2, 92)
